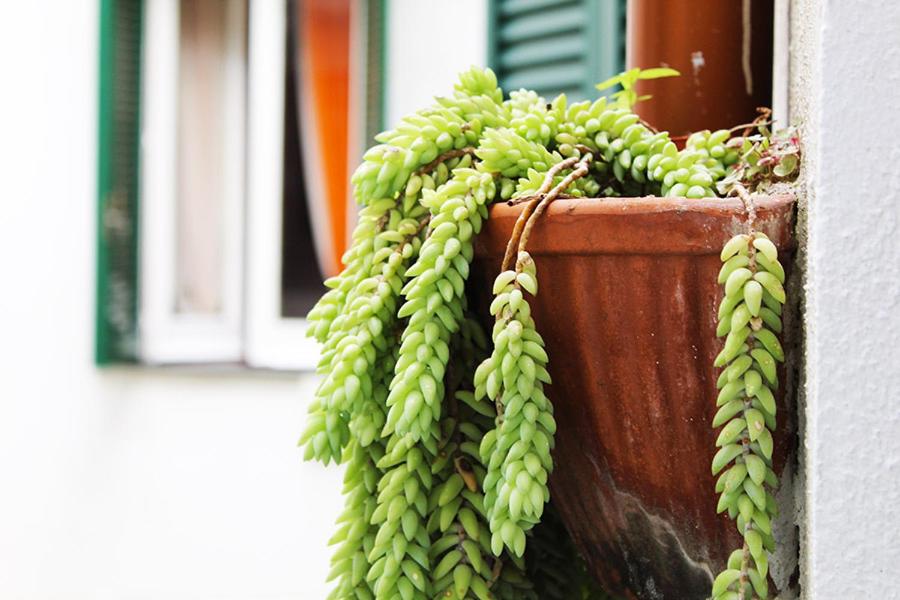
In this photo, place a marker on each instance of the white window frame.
(167, 336)
(781, 67)
(251, 328)
(271, 340)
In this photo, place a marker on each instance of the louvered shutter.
(117, 179)
(554, 46)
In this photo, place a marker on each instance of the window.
(192, 181)
(555, 46)
(219, 213)
(275, 336)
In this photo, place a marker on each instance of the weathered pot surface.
(627, 307)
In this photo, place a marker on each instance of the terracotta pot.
(723, 49)
(627, 306)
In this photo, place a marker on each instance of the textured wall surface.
(845, 73)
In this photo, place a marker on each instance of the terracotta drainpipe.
(723, 49)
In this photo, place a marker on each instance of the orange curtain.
(324, 44)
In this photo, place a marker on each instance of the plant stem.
(529, 208)
(749, 206)
(748, 127)
(580, 171)
(455, 153)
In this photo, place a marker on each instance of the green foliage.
(461, 552)
(713, 148)
(749, 319)
(434, 304)
(627, 97)
(446, 435)
(631, 159)
(356, 534)
(517, 450)
(764, 159)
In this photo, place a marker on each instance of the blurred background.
(176, 187)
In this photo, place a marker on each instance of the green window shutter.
(376, 71)
(554, 46)
(117, 180)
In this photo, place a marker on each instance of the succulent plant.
(447, 435)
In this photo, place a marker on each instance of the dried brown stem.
(529, 198)
(496, 569)
(579, 172)
(764, 113)
(648, 125)
(455, 153)
(423, 224)
(529, 208)
(741, 192)
(748, 127)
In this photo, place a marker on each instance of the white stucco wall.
(845, 72)
(123, 483)
(429, 43)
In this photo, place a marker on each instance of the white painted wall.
(845, 71)
(142, 483)
(123, 483)
(429, 43)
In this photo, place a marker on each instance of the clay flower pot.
(627, 306)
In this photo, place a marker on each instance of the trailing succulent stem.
(517, 451)
(750, 320)
(461, 550)
(447, 465)
(435, 295)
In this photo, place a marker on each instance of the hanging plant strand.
(517, 451)
(750, 319)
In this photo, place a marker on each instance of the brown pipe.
(723, 49)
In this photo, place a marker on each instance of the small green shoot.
(627, 96)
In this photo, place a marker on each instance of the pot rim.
(648, 225)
